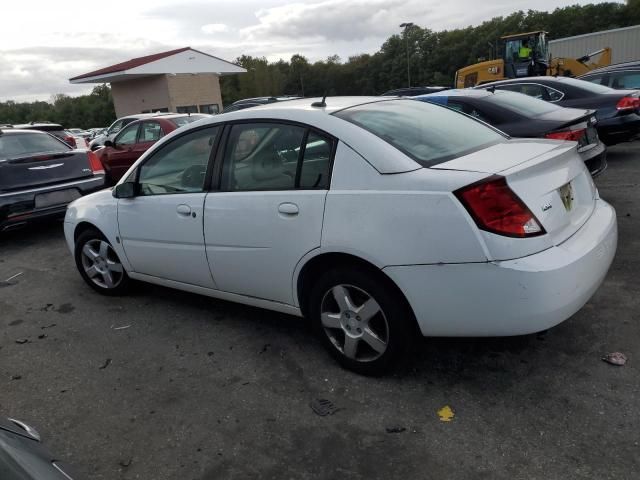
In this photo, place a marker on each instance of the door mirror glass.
(109, 143)
(125, 190)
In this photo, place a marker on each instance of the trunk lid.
(549, 177)
(43, 169)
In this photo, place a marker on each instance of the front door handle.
(288, 208)
(184, 210)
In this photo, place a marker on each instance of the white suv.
(378, 219)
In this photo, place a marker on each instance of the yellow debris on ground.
(446, 414)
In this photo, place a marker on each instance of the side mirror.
(109, 143)
(124, 190)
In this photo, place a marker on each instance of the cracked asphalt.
(164, 384)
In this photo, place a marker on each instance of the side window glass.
(180, 166)
(535, 91)
(150, 132)
(553, 95)
(115, 128)
(261, 156)
(316, 162)
(626, 80)
(127, 136)
(511, 88)
(455, 106)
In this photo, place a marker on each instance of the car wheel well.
(83, 227)
(315, 267)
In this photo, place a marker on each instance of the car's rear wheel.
(363, 323)
(99, 264)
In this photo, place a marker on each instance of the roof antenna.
(321, 103)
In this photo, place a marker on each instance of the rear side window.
(427, 133)
(581, 84)
(23, 144)
(626, 80)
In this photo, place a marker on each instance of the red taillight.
(628, 103)
(71, 141)
(95, 163)
(497, 209)
(573, 135)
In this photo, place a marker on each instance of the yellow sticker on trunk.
(446, 414)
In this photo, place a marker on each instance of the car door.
(118, 157)
(267, 212)
(161, 226)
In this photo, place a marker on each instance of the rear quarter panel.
(398, 219)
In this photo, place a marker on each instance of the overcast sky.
(44, 43)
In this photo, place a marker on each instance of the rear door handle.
(184, 210)
(288, 208)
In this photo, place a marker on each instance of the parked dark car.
(24, 457)
(256, 102)
(522, 116)
(52, 128)
(132, 141)
(40, 174)
(620, 76)
(412, 91)
(617, 111)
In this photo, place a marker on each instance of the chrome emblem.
(546, 206)
(566, 194)
(46, 167)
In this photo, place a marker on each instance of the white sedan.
(375, 218)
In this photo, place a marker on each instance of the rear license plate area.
(57, 198)
(566, 195)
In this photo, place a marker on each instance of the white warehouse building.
(624, 44)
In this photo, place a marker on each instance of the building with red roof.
(182, 80)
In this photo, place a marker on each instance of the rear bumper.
(514, 297)
(622, 128)
(595, 159)
(18, 208)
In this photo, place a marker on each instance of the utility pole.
(406, 27)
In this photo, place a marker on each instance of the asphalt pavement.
(164, 384)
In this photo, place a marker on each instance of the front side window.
(427, 133)
(150, 132)
(180, 166)
(116, 127)
(262, 156)
(127, 136)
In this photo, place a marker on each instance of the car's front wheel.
(363, 323)
(99, 265)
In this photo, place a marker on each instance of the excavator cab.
(526, 54)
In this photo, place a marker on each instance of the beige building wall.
(187, 90)
(141, 94)
(170, 92)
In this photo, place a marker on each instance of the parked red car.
(135, 139)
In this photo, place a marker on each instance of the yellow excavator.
(526, 55)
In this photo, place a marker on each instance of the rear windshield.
(520, 103)
(429, 134)
(22, 144)
(180, 121)
(584, 85)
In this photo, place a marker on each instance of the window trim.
(536, 84)
(216, 184)
(210, 164)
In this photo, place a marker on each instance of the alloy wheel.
(101, 264)
(355, 323)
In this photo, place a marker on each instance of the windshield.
(429, 134)
(24, 144)
(520, 103)
(180, 121)
(584, 85)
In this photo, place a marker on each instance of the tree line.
(434, 57)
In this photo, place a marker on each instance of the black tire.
(121, 282)
(393, 312)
